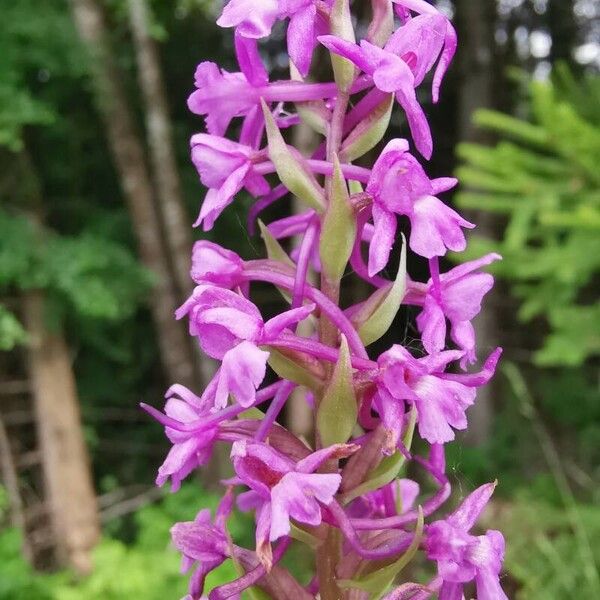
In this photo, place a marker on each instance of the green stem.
(328, 554)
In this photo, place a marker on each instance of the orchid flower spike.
(339, 489)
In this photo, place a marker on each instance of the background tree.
(476, 25)
(128, 155)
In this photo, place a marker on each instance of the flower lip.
(270, 477)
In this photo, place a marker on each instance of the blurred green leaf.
(12, 332)
(546, 184)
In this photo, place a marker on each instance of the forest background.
(97, 198)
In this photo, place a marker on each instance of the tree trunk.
(176, 223)
(128, 156)
(563, 30)
(65, 461)
(68, 489)
(475, 23)
(10, 480)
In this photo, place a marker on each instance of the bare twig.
(126, 507)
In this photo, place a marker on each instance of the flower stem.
(328, 554)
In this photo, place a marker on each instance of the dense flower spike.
(343, 492)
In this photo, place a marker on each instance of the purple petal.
(466, 515)
(180, 410)
(301, 38)
(450, 45)
(290, 226)
(463, 335)
(433, 423)
(451, 591)
(214, 264)
(481, 378)
(432, 325)
(441, 407)
(462, 297)
(349, 50)
(183, 458)
(488, 586)
(216, 158)
(224, 508)
(409, 492)
(264, 551)
(232, 185)
(438, 363)
(259, 466)
(436, 228)
(419, 127)
(253, 127)
(221, 96)
(185, 394)
(256, 184)
(419, 43)
(419, 6)
(443, 184)
(391, 412)
(296, 495)
(469, 267)
(383, 239)
(391, 72)
(253, 18)
(199, 540)
(248, 57)
(312, 462)
(394, 152)
(247, 501)
(275, 326)
(406, 591)
(242, 371)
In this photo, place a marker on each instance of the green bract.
(337, 410)
(289, 169)
(341, 26)
(338, 231)
(379, 312)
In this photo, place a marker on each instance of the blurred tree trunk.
(68, 483)
(176, 223)
(10, 481)
(67, 474)
(563, 29)
(475, 22)
(128, 155)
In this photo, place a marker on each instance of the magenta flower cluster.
(344, 494)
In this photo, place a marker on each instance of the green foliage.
(101, 279)
(11, 330)
(18, 581)
(36, 42)
(544, 557)
(543, 177)
(92, 276)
